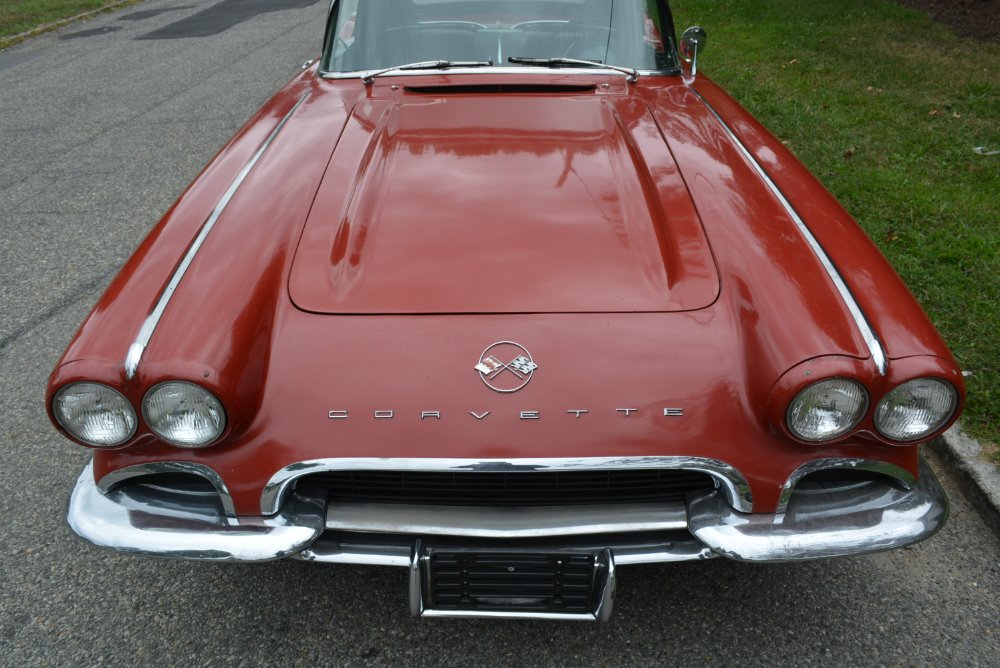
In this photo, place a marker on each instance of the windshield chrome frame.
(324, 59)
(497, 69)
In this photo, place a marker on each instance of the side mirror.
(693, 41)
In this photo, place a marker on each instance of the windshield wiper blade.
(369, 77)
(633, 74)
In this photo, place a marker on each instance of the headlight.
(184, 414)
(915, 409)
(95, 414)
(827, 409)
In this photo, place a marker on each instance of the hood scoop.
(510, 204)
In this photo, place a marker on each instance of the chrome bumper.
(853, 519)
(867, 517)
(186, 529)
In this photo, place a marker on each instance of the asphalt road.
(101, 127)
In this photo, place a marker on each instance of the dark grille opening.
(519, 488)
(521, 582)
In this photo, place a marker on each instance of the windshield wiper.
(369, 77)
(633, 74)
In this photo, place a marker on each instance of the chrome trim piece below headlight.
(115, 478)
(901, 475)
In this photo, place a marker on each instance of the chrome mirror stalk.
(693, 41)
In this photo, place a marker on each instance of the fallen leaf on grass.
(934, 112)
(891, 235)
(849, 153)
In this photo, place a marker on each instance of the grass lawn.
(17, 16)
(885, 107)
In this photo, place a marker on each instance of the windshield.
(376, 34)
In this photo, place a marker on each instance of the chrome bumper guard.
(819, 522)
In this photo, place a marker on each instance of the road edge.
(7, 41)
(978, 478)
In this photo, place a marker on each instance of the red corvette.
(507, 294)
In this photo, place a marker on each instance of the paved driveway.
(101, 126)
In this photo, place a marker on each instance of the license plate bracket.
(502, 582)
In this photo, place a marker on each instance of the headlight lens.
(184, 414)
(827, 409)
(95, 414)
(915, 409)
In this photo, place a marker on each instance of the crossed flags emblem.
(520, 366)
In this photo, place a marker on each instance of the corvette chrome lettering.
(527, 414)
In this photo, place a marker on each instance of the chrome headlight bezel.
(155, 421)
(860, 410)
(124, 409)
(942, 418)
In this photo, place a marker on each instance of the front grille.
(518, 488)
(512, 582)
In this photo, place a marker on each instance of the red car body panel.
(887, 303)
(548, 204)
(711, 299)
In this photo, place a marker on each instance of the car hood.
(322, 217)
(445, 203)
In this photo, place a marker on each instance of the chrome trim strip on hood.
(867, 332)
(733, 485)
(137, 348)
